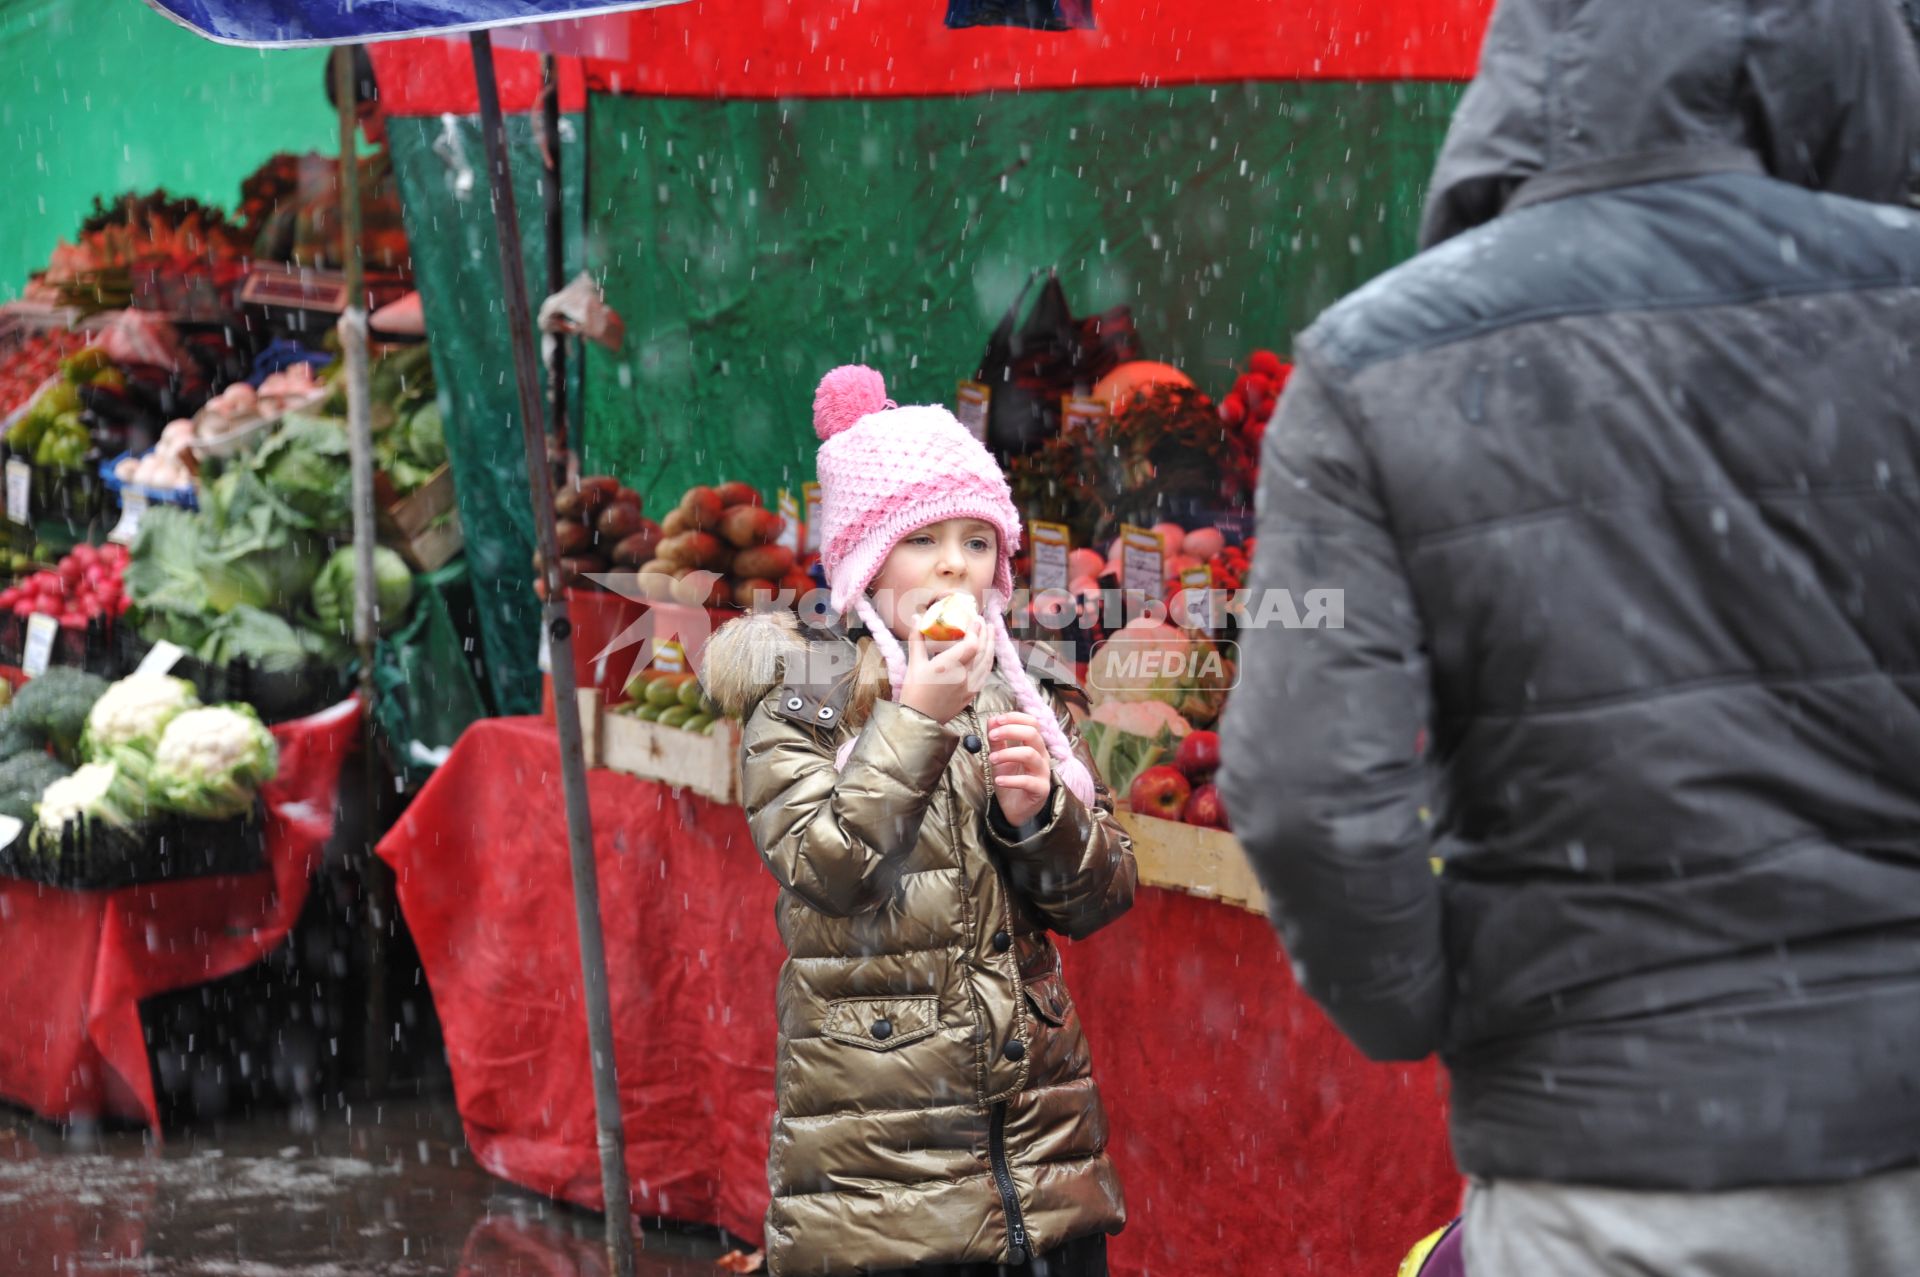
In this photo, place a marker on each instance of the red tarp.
(1243, 1123)
(888, 48)
(78, 962)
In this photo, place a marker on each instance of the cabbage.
(211, 762)
(304, 464)
(333, 590)
(260, 562)
(265, 641)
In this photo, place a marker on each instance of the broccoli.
(53, 708)
(14, 739)
(23, 779)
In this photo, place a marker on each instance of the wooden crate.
(707, 765)
(1200, 862)
(412, 525)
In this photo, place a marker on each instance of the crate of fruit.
(663, 734)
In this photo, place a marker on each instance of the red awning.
(891, 48)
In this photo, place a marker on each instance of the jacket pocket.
(1049, 999)
(881, 1024)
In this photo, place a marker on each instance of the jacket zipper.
(1003, 1178)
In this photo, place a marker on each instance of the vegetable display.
(85, 585)
(211, 762)
(671, 700)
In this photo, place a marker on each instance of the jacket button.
(795, 703)
(1015, 1050)
(882, 1029)
(1002, 941)
(971, 743)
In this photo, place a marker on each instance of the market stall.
(1243, 1122)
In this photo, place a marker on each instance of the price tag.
(669, 656)
(811, 533)
(1142, 560)
(133, 505)
(1082, 415)
(161, 659)
(19, 491)
(1049, 544)
(971, 406)
(790, 532)
(41, 631)
(1203, 608)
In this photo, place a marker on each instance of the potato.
(573, 537)
(677, 550)
(618, 522)
(696, 549)
(639, 547)
(656, 579)
(754, 592)
(696, 589)
(740, 526)
(598, 490)
(575, 569)
(739, 494)
(799, 583)
(703, 508)
(675, 523)
(770, 562)
(567, 503)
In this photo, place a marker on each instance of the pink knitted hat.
(886, 471)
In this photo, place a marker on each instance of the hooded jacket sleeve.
(1322, 774)
(1072, 863)
(837, 838)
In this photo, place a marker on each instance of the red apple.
(1160, 791)
(1206, 809)
(1198, 757)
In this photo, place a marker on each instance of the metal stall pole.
(375, 894)
(556, 343)
(566, 705)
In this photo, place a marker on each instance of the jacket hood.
(1577, 95)
(748, 657)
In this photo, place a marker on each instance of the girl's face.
(940, 559)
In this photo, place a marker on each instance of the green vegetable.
(1120, 756)
(65, 443)
(211, 762)
(675, 715)
(23, 779)
(304, 464)
(163, 572)
(14, 739)
(268, 642)
(98, 792)
(334, 588)
(427, 437)
(649, 713)
(698, 723)
(53, 708)
(259, 561)
(691, 694)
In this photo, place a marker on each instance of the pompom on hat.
(887, 471)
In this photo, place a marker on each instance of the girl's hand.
(942, 685)
(1022, 770)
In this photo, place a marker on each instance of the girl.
(930, 816)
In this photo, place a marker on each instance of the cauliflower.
(211, 761)
(134, 712)
(97, 792)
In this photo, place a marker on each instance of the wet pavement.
(372, 1190)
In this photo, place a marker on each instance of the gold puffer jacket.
(936, 1095)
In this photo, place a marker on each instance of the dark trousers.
(1082, 1257)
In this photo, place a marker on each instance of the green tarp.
(751, 246)
(443, 185)
(98, 97)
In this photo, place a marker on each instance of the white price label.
(1049, 544)
(1203, 608)
(1142, 559)
(41, 631)
(790, 530)
(811, 540)
(19, 491)
(133, 506)
(161, 659)
(670, 655)
(971, 405)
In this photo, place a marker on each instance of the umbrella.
(282, 23)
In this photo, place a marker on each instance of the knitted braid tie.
(1070, 770)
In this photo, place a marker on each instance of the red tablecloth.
(78, 962)
(1243, 1124)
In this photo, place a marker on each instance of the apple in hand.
(948, 620)
(1159, 791)
(1198, 757)
(1206, 809)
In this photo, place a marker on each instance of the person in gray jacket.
(1621, 481)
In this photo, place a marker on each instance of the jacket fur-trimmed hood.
(751, 656)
